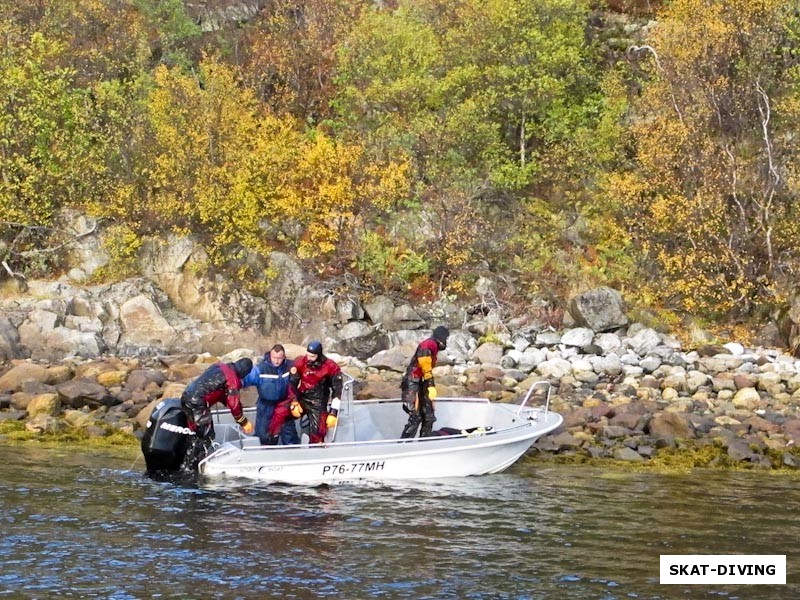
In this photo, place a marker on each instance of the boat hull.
(504, 434)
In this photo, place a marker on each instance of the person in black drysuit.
(418, 389)
(221, 382)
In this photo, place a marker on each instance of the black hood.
(242, 367)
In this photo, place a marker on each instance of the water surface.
(80, 524)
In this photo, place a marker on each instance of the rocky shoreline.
(632, 395)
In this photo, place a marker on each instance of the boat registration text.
(351, 468)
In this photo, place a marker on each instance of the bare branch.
(735, 187)
(28, 253)
(646, 48)
(765, 117)
(22, 281)
(13, 274)
(764, 111)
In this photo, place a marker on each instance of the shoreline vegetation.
(409, 148)
(182, 182)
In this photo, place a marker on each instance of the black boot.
(410, 430)
(198, 449)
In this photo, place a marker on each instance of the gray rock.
(644, 341)
(392, 360)
(488, 353)
(361, 340)
(10, 346)
(627, 454)
(578, 337)
(547, 338)
(143, 324)
(601, 309)
(405, 317)
(380, 311)
(607, 342)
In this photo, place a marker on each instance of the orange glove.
(333, 414)
(296, 409)
(432, 393)
(246, 425)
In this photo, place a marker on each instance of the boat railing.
(346, 407)
(548, 388)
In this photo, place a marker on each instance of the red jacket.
(219, 383)
(316, 383)
(427, 347)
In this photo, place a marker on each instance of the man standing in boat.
(418, 388)
(316, 391)
(271, 377)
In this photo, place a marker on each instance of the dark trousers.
(419, 408)
(198, 416)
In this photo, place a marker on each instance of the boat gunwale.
(527, 422)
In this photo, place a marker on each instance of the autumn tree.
(207, 158)
(290, 54)
(711, 200)
(49, 157)
(111, 39)
(485, 97)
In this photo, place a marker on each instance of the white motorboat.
(485, 437)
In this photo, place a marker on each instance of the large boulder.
(13, 380)
(143, 324)
(380, 311)
(601, 309)
(77, 393)
(360, 339)
(394, 359)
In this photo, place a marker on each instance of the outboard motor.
(167, 437)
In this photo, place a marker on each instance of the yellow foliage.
(215, 163)
(122, 245)
(330, 185)
(701, 201)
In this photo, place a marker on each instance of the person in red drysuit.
(315, 390)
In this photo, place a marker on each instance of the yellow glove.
(333, 413)
(247, 427)
(296, 409)
(432, 393)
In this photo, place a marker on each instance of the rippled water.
(91, 525)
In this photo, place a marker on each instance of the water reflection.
(87, 525)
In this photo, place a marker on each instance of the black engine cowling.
(167, 438)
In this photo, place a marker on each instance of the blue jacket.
(272, 382)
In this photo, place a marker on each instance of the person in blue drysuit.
(271, 377)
